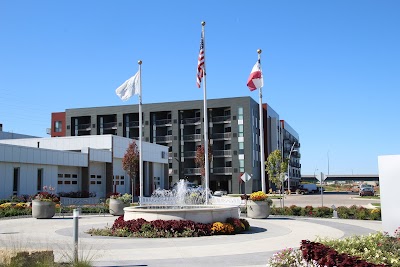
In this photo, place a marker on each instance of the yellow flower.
(258, 196)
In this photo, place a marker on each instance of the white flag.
(129, 87)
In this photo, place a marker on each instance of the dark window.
(39, 179)
(67, 175)
(74, 182)
(16, 180)
(67, 182)
(59, 182)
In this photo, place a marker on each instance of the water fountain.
(182, 203)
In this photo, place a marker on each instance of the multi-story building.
(291, 146)
(233, 135)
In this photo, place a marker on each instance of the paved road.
(329, 199)
(249, 249)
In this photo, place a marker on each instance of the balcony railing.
(110, 125)
(222, 153)
(190, 120)
(222, 170)
(192, 137)
(167, 138)
(192, 171)
(190, 154)
(84, 127)
(133, 124)
(164, 122)
(221, 135)
(221, 119)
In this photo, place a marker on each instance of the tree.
(276, 168)
(200, 158)
(130, 164)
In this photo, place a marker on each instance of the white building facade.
(76, 163)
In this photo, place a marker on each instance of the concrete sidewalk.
(250, 249)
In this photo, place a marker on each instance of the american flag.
(200, 61)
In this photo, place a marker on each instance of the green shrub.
(296, 211)
(323, 212)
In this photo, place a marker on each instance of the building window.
(241, 165)
(58, 126)
(39, 179)
(240, 127)
(16, 181)
(240, 113)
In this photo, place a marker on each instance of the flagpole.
(261, 125)
(206, 167)
(140, 135)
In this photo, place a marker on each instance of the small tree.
(130, 164)
(276, 168)
(200, 159)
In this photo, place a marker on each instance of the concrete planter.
(43, 209)
(116, 207)
(258, 209)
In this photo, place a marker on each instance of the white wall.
(151, 151)
(27, 178)
(15, 153)
(97, 169)
(66, 143)
(389, 183)
(71, 187)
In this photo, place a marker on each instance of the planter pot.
(43, 209)
(116, 207)
(258, 209)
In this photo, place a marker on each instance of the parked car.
(311, 188)
(366, 191)
(219, 193)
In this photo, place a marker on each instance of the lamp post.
(288, 166)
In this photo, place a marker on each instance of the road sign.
(320, 176)
(245, 177)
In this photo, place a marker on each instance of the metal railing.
(192, 137)
(109, 125)
(222, 170)
(167, 138)
(190, 120)
(163, 122)
(189, 154)
(222, 118)
(84, 126)
(222, 153)
(221, 135)
(133, 124)
(194, 171)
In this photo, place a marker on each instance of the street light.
(288, 166)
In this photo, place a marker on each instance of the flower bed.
(353, 212)
(378, 249)
(171, 228)
(14, 209)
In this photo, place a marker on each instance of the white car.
(219, 193)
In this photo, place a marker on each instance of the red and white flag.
(200, 61)
(255, 80)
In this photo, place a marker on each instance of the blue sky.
(331, 68)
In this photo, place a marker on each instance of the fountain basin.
(196, 213)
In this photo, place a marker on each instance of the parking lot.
(328, 199)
